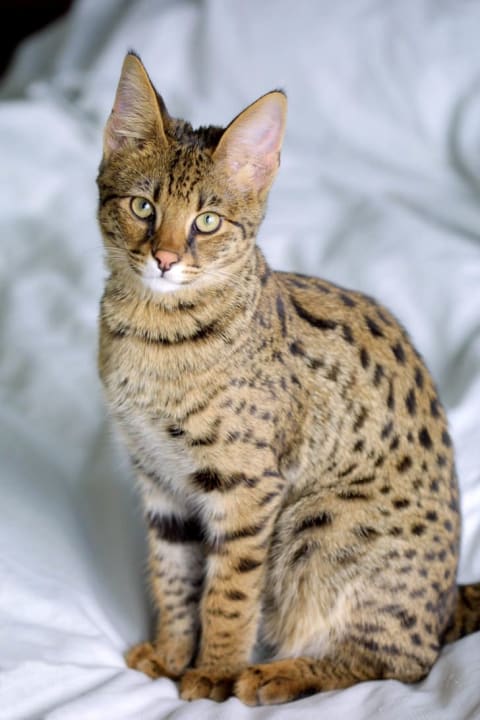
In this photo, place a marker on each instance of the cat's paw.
(156, 663)
(271, 684)
(200, 683)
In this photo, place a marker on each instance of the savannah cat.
(292, 455)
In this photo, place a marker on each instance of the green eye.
(207, 222)
(142, 208)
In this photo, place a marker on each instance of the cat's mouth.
(162, 281)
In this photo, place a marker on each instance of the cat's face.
(179, 209)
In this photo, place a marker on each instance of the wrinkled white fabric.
(378, 190)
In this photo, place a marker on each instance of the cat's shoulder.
(314, 292)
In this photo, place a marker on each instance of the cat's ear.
(250, 146)
(136, 114)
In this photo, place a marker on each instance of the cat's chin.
(161, 285)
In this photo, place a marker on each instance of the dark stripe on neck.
(122, 330)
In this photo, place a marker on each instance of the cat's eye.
(142, 208)
(207, 222)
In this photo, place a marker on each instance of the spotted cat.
(291, 452)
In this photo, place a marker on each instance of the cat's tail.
(466, 617)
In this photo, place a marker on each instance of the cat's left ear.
(250, 146)
(137, 110)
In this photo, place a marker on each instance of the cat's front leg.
(176, 578)
(242, 524)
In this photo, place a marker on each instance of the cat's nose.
(165, 259)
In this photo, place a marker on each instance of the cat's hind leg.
(344, 604)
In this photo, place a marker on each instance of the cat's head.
(179, 208)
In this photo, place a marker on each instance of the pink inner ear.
(268, 138)
(251, 144)
(262, 129)
(128, 95)
(136, 115)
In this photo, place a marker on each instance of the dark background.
(24, 17)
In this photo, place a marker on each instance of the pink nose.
(166, 259)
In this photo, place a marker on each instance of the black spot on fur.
(441, 460)
(348, 470)
(387, 430)
(399, 353)
(352, 495)
(434, 408)
(424, 438)
(360, 419)
(235, 595)
(446, 440)
(419, 378)
(395, 442)
(364, 358)
(347, 300)
(395, 531)
(390, 396)
(404, 464)
(411, 402)
(359, 445)
(210, 480)
(374, 328)
(332, 374)
(316, 322)
(245, 565)
(175, 431)
(175, 530)
(406, 620)
(366, 532)
(347, 334)
(364, 480)
(303, 552)
(314, 521)
(418, 529)
(378, 374)
(401, 503)
(434, 485)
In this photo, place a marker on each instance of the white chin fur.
(170, 282)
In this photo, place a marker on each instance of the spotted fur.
(291, 451)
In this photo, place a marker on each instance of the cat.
(291, 452)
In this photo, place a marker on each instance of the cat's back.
(360, 335)
(379, 400)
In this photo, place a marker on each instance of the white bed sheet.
(379, 190)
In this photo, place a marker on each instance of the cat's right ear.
(136, 115)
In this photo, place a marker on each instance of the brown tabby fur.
(291, 451)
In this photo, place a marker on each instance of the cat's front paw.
(200, 683)
(156, 663)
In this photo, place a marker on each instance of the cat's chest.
(162, 457)
(155, 448)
